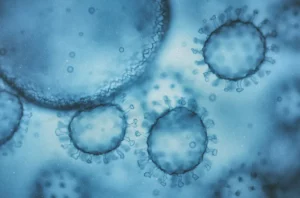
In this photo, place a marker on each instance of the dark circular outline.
(84, 101)
(150, 133)
(228, 24)
(124, 128)
(17, 125)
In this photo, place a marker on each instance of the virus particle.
(90, 136)
(288, 24)
(177, 141)
(106, 54)
(97, 134)
(235, 48)
(212, 97)
(60, 182)
(287, 105)
(14, 120)
(244, 182)
(177, 128)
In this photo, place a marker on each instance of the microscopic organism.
(235, 48)
(176, 142)
(74, 53)
(14, 118)
(97, 134)
(60, 182)
(174, 129)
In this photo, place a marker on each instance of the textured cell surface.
(10, 115)
(60, 183)
(235, 50)
(74, 52)
(177, 141)
(167, 129)
(235, 47)
(99, 130)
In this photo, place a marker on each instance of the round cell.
(177, 141)
(235, 50)
(10, 115)
(70, 69)
(99, 130)
(34, 56)
(80, 33)
(59, 183)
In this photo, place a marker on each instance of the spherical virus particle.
(175, 130)
(60, 183)
(234, 48)
(99, 130)
(98, 134)
(177, 141)
(241, 49)
(10, 115)
(34, 57)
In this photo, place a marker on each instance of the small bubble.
(155, 192)
(212, 97)
(137, 133)
(121, 49)
(70, 69)
(72, 54)
(240, 179)
(279, 99)
(80, 33)
(92, 10)
(192, 144)
(237, 193)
